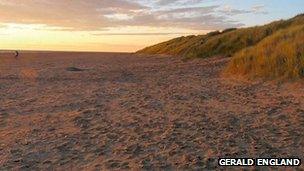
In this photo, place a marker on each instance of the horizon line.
(67, 51)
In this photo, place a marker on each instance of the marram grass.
(279, 56)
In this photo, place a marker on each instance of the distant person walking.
(16, 54)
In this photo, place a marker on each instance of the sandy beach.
(120, 111)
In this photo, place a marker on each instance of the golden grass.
(279, 56)
(272, 51)
(225, 43)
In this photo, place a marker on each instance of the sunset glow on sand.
(98, 85)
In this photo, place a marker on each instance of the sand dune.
(124, 111)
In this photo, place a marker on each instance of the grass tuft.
(279, 56)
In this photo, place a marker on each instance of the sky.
(126, 25)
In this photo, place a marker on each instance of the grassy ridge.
(272, 51)
(177, 46)
(224, 43)
(279, 56)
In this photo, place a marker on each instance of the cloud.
(96, 15)
(257, 9)
(165, 2)
(198, 18)
(77, 14)
(228, 10)
(184, 2)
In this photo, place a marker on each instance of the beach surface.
(119, 111)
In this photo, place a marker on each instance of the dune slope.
(225, 43)
(279, 56)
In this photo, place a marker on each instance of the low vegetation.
(272, 51)
(279, 56)
(225, 43)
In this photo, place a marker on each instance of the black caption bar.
(259, 162)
